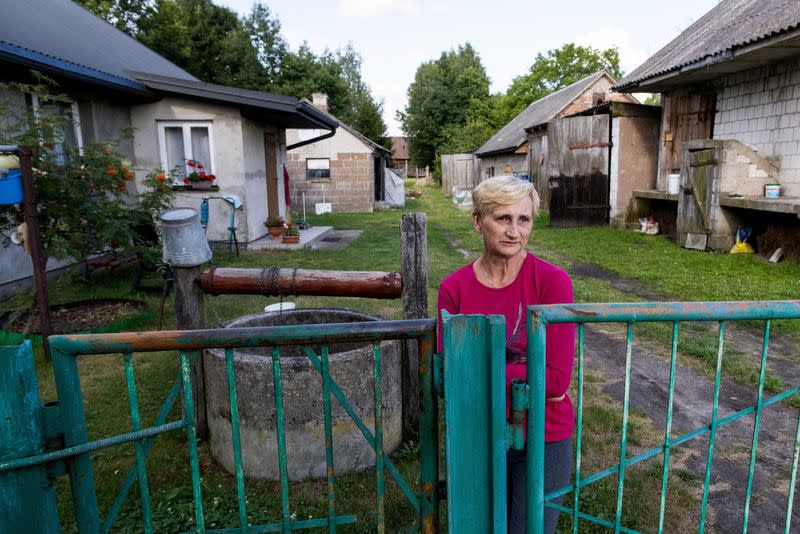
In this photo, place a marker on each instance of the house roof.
(51, 36)
(729, 38)
(512, 135)
(399, 147)
(285, 111)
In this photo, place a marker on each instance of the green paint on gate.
(27, 496)
(19, 465)
(468, 344)
(475, 431)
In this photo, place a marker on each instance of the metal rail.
(77, 447)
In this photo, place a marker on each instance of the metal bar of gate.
(540, 316)
(188, 343)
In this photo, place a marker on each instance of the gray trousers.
(557, 471)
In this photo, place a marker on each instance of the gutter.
(44, 62)
(312, 140)
(326, 122)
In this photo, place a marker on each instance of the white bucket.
(673, 183)
(772, 190)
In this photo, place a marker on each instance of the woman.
(505, 280)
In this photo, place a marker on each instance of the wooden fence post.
(190, 314)
(414, 243)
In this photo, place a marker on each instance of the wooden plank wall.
(458, 170)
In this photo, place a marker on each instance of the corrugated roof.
(67, 38)
(58, 36)
(729, 25)
(512, 135)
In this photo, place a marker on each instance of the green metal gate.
(30, 460)
(477, 434)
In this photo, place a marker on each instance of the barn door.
(686, 118)
(694, 205)
(578, 150)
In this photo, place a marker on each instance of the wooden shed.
(597, 158)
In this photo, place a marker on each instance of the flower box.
(202, 185)
(289, 239)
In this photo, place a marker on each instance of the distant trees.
(440, 99)
(450, 109)
(216, 45)
(553, 71)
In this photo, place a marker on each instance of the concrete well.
(350, 367)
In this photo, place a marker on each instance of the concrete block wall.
(349, 189)
(761, 108)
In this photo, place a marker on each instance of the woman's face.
(505, 229)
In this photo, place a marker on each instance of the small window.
(180, 142)
(318, 168)
(68, 111)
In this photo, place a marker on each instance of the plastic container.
(772, 190)
(673, 183)
(10, 187)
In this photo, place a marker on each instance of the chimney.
(320, 101)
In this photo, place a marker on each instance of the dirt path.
(605, 357)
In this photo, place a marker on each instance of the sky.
(394, 37)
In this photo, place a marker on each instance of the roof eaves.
(48, 63)
(717, 56)
(325, 120)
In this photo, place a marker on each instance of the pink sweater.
(538, 282)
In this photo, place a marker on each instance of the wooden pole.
(414, 250)
(35, 240)
(276, 281)
(190, 314)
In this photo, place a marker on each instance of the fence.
(76, 447)
(459, 170)
(476, 462)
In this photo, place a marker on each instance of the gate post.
(27, 495)
(414, 251)
(190, 314)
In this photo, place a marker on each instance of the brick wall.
(349, 189)
(585, 100)
(761, 108)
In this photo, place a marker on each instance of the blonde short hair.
(503, 191)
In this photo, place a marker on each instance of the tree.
(338, 75)
(84, 204)
(122, 14)
(440, 97)
(264, 33)
(361, 111)
(210, 41)
(551, 72)
(653, 100)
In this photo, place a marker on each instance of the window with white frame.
(181, 142)
(318, 168)
(71, 135)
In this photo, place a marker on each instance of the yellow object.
(741, 247)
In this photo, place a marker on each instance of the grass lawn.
(659, 265)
